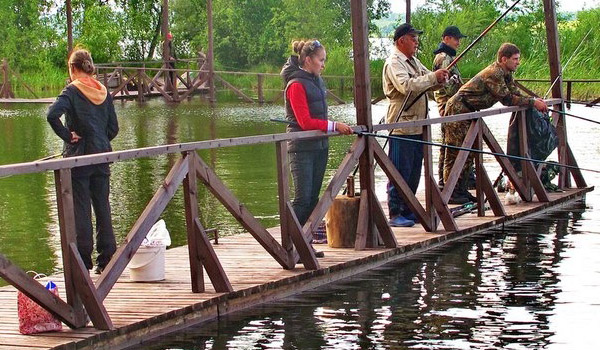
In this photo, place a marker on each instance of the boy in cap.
(444, 55)
(405, 77)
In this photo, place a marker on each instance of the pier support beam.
(362, 101)
(564, 179)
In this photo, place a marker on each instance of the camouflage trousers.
(454, 135)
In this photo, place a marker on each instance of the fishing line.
(566, 64)
(576, 116)
(474, 150)
(389, 137)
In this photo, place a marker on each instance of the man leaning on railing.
(493, 84)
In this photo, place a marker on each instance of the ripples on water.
(499, 290)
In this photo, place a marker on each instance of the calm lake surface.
(527, 287)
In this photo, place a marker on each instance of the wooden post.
(139, 81)
(68, 235)
(69, 26)
(407, 11)
(524, 152)
(479, 170)
(190, 190)
(166, 52)
(556, 75)
(105, 78)
(283, 187)
(429, 193)
(210, 54)
(569, 87)
(261, 97)
(362, 101)
(6, 89)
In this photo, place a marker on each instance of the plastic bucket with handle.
(148, 264)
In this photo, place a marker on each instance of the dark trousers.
(308, 170)
(93, 190)
(407, 156)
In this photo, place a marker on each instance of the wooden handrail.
(82, 292)
(116, 156)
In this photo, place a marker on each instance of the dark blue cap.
(405, 28)
(453, 31)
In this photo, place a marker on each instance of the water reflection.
(28, 224)
(498, 290)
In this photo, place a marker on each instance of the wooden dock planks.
(145, 310)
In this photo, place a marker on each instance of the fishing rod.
(49, 157)
(566, 64)
(364, 133)
(459, 57)
(455, 61)
(576, 116)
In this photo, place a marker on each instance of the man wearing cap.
(493, 84)
(444, 55)
(405, 78)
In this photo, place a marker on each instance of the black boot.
(458, 198)
(460, 195)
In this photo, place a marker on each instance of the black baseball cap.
(453, 31)
(405, 28)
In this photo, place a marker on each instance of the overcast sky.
(399, 6)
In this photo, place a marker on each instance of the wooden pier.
(140, 311)
(262, 265)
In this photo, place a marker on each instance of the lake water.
(532, 286)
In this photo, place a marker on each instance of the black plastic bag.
(542, 138)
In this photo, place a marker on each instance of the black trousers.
(92, 190)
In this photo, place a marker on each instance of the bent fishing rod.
(460, 56)
(455, 61)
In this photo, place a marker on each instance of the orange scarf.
(90, 88)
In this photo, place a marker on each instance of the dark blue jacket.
(96, 124)
(316, 94)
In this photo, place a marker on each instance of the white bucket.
(148, 264)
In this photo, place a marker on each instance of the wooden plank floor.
(145, 310)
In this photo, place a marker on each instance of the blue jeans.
(407, 156)
(308, 170)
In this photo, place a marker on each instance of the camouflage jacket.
(443, 60)
(493, 84)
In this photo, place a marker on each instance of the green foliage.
(252, 35)
(99, 32)
(524, 26)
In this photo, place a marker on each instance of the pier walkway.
(140, 311)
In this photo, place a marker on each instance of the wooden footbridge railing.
(122, 80)
(85, 296)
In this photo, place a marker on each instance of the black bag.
(542, 138)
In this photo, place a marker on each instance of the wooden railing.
(190, 169)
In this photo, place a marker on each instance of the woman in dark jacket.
(91, 123)
(306, 107)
